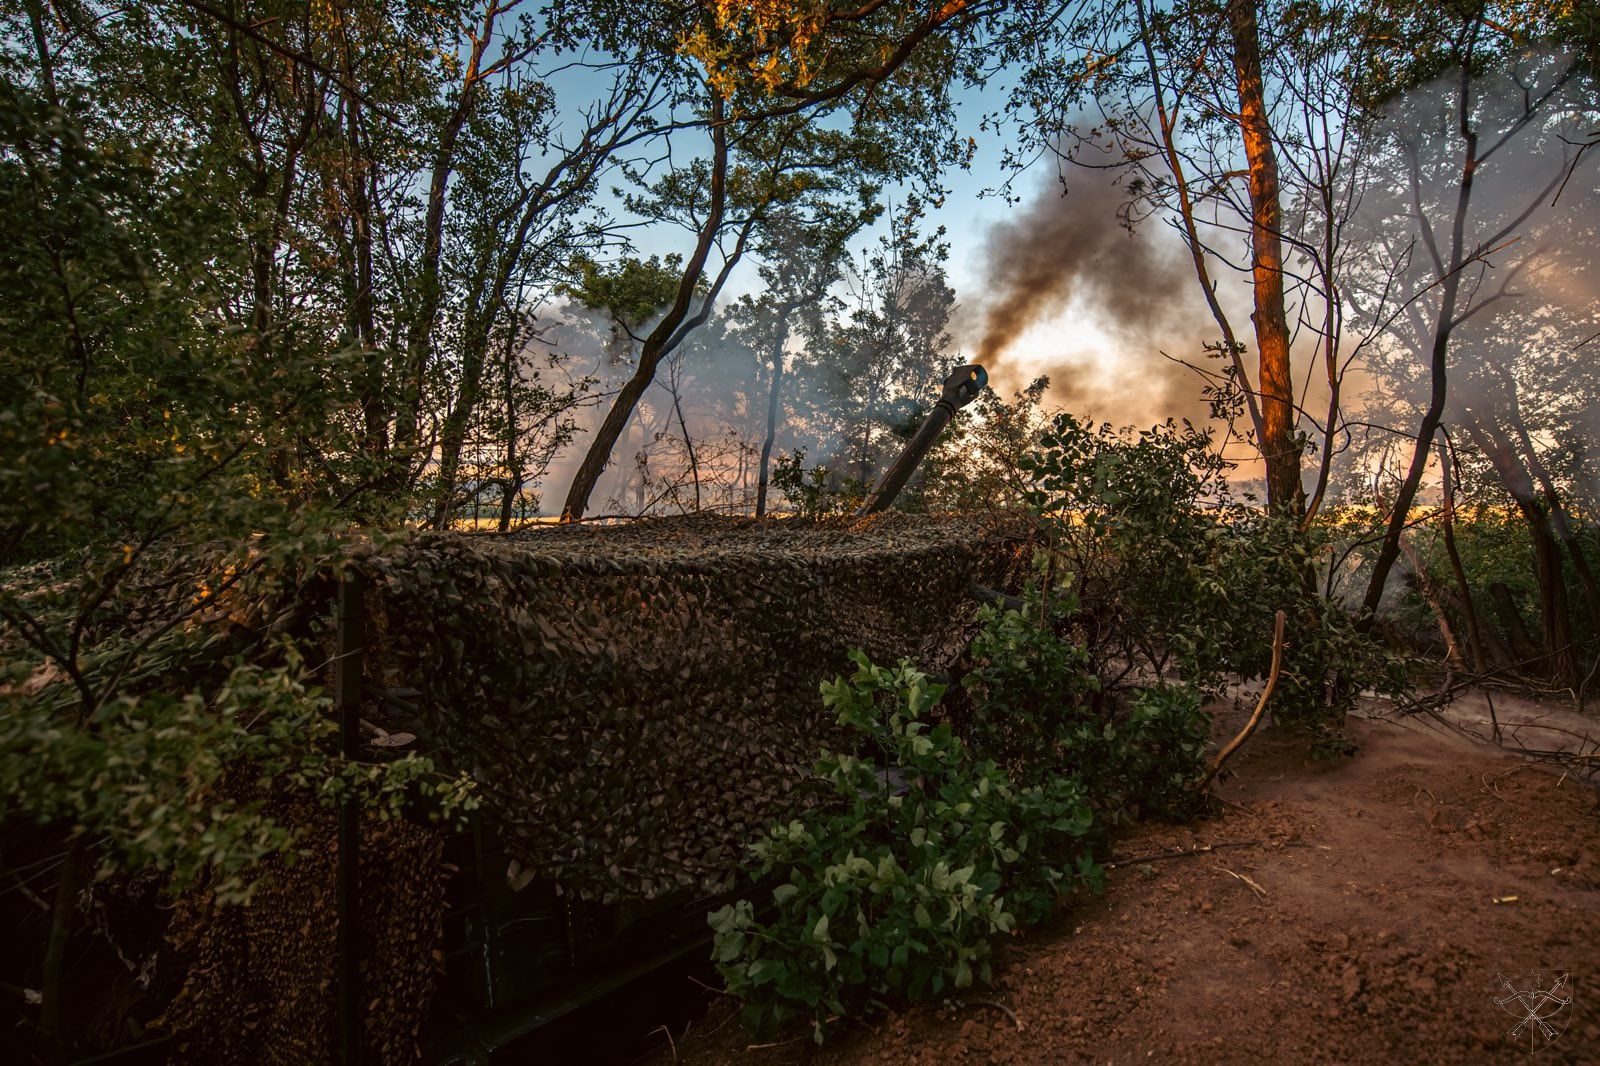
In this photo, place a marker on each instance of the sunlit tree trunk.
(1280, 445)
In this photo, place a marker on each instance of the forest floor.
(1354, 911)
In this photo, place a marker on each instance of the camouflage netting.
(638, 702)
(259, 981)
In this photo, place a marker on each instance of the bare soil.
(1361, 912)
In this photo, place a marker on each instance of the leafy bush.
(1032, 710)
(182, 782)
(1030, 683)
(896, 891)
(1181, 577)
(935, 844)
(1256, 563)
(817, 491)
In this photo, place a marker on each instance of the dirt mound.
(1353, 911)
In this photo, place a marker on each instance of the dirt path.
(1361, 925)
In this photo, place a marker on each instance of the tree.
(1229, 122)
(1439, 245)
(1280, 444)
(144, 489)
(874, 374)
(800, 264)
(768, 89)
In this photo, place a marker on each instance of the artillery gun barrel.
(960, 388)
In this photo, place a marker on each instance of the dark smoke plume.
(1069, 247)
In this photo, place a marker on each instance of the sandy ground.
(1357, 911)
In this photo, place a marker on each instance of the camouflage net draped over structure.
(638, 702)
(260, 979)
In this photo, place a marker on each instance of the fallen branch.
(671, 1043)
(1261, 704)
(1257, 889)
(1001, 1007)
(719, 991)
(1184, 852)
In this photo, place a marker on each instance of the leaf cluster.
(190, 783)
(1033, 709)
(897, 890)
(1180, 576)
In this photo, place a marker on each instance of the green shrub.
(816, 491)
(182, 782)
(935, 845)
(1032, 711)
(897, 890)
(1029, 686)
(1182, 578)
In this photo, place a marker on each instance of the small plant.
(897, 890)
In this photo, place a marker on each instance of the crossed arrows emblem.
(1535, 1008)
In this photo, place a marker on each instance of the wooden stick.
(1001, 1007)
(1180, 853)
(1257, 889)
(1261, 704)
(1206, 849)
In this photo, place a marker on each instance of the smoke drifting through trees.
(1070, 248)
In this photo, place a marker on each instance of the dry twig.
(1257, 889)
(1180, 853)
(1001, 1007)
(709, 988)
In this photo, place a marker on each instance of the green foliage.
(1182, 577)
(934, 844)
(142, 424)
(897, 890)
(1256, 562)
(1029, 684)
(815, 492)
(184, 783)
(1033, 709)
(631, 291)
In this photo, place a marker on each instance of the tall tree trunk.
(688, 443)
(1557, 628)
(1438, 361)
(453, 435)
(1191, 231)
(1280, 445)
(63, 920)
(779, 340)
(1447, 522)
(360, 181)
(427, 292)
(1557, 509)
(514, 460)
(669, 332)
(1522, 645)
